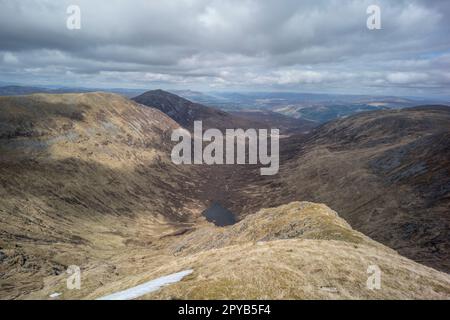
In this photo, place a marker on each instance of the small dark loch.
(219, 215)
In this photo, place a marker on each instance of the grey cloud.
(247, 44)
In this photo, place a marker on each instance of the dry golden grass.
(303, 269)
(86, 180)
(329, 262)
(387, 173)
(83, 175)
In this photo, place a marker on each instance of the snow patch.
(54, 295)
(147, 287)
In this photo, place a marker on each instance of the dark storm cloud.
(316, 45)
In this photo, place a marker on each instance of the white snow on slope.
(147, 287)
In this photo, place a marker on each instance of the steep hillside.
(387, 172)
(296, 251)
(80, 174)
(87, 180)
(186, 112)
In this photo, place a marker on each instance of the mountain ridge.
(80, 175)
(86, 179)
(386, 172)
(299, 250)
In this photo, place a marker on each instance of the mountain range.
(86, 179)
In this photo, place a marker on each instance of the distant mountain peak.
(185, 112)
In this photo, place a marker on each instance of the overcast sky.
(293, 45)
